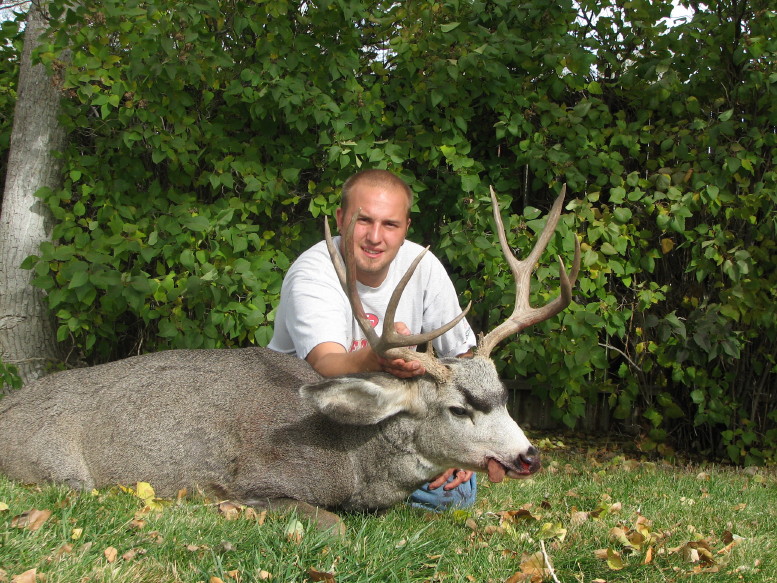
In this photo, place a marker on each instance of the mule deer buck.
(264, 428)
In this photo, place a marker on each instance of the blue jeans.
(440, 500)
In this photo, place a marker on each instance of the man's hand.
(460, 476)
(400, 368)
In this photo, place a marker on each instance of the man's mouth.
(372, 253)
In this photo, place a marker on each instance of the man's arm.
(330, 359)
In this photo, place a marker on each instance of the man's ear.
(339, 213)
(362, 401)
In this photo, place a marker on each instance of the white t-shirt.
(314, 308)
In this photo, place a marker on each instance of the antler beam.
(523, 314)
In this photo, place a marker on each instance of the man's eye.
(459, 411)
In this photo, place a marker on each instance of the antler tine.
(349, 283)
(391, 344)
(523, 314)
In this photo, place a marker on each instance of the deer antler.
(523, 314)
(391, 344)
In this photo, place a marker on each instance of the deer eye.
(459, 411)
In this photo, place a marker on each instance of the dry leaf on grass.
(294, 531)
(32, 519)
(110, 554)
(533, 570)
(26, 577)
(230, 510)
(316, 575)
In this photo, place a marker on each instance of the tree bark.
(27, 330)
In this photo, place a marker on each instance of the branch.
(551, 570)
(623, 354)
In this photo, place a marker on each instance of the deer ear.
(362, 401)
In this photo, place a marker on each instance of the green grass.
(581, 505)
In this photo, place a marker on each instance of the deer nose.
(531, 459)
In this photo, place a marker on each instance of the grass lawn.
(594, 514)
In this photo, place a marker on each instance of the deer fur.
(259, 427)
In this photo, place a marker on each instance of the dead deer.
(263, 428)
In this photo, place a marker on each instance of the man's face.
(380, 229)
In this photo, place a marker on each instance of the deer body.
(235, 424)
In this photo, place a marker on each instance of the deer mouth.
(524, 467)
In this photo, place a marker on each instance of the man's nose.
(374, 233)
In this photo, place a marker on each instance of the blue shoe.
(440, 500)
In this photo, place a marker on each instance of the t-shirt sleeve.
(311, 311)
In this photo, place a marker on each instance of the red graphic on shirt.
(357, 344)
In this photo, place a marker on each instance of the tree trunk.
(27, 330)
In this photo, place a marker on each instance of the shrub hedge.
(209, 138)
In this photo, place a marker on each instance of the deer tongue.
(496, 471)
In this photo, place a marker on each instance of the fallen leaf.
(252, 514)
(32, 519)
(215, 580)
(534, 567)
(514, 516)
(110, 554)
(230, 510)
(145, 492)
(234, 574)
(264, 575)
(614, 560)
(551, 530)
(65, 549)
(132, 553)
(26, 577)
(578, 518)
(3, 507)
(76, 534)
(321, 576)
(294, 531)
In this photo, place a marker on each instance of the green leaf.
(622, 215)
(198, 223)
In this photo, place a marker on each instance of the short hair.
(375, 177)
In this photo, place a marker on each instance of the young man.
(314, 319)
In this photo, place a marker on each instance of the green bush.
(208, 138)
